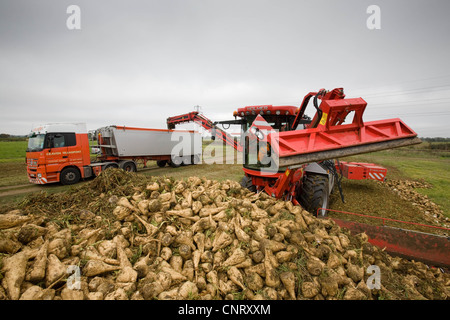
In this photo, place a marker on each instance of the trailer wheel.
(189, 160)
(195, 159)
(175, 162)
(70, 176)
(246, 182)
(128, 166)
(314, 193)
(110, 165)
(161, 163)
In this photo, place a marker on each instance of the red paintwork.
(49, 162)
(419, 246)
(267, 109)
(325, 133)
(327, 137)
(337, 93)
(327, 130)
(428, 248)
(330, 133)
(278, 185)
(360, 171)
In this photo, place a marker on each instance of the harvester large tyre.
(314, 193)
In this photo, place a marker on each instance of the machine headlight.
(259, 135)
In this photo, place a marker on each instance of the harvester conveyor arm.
(208, 125)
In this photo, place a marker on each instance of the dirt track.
(10, 191)
(29, 188)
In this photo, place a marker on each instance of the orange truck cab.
(58, 152)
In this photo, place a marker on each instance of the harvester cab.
(261, 127)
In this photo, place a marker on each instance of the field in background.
(12, 163)
(419, 163)
(12, 151)
(424, 162)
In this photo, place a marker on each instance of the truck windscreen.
(36, 142)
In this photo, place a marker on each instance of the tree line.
(8, 137)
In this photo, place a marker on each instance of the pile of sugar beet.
(126, 236)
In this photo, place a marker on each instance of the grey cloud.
(139, 62)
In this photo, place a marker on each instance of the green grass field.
(417, 164)
(12, 151)
(12, 163)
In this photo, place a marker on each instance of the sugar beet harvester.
(290, 156)
(61, 152)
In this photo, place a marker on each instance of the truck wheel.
(314, 193)
(129, 166)
(161, 163)
(246, 182)
(70, 176)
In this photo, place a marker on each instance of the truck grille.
(32, 162)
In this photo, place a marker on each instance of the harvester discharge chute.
(326, 137)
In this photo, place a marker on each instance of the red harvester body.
(304, 158)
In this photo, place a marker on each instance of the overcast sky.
(136, 63)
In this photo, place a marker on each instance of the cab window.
(70, 139)
(59, 140)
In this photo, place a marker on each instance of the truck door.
(75, 156)
(55, 153)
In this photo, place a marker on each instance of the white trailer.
(174, 147)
